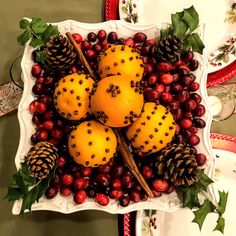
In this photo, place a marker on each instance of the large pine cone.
(169, 48)
(41, 159)
(59, 52)
(176, 164)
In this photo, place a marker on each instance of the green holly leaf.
(41, 56)
(220, 225)
(200, 214)
(24, 24)
(166, 32)
(179, 27)
(204, 180)
(20, 183)
(38, 25)
(23, 38)
(190, 18)
(222, 202)
(13, 194)
(50, 31)
(195, 42)
(36, 42)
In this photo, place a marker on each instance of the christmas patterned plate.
(220, 41)
(67, 205)
(156, 223)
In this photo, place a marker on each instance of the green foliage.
(183, 25)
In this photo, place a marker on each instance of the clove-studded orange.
(71, 96)
(92, 144)
(117, 102)
(153, 130)
(121, 60)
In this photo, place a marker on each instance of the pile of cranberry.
(172, 84)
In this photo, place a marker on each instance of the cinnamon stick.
(129, 161)
(81, 55)
(123, 147)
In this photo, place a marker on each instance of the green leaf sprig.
(190, 196)
(24, 186)
(183, 25)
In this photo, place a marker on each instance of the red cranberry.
(103, 179)
(194, 86)
(46, 99)
(97, 47)
(201, 159)
(178, 114)
(182, 96)
(188, 115)
(156, 193)
(187, 57)
(177, 129)
(79, 183)
(90, 54)
(116, 183)
(92, 37)
(196, 97)
(194, 140)
(151, 42)
(146, 50)
(67, 179)
(129, 42)
(55, 181)
(80, 197)
(193, 150)
(169, 190)
(34, 138)
(86, 45)
(183, 70)
(40, 80)
(101, 35)
(147, 172)
(77, 37)
(49, 81)
(160, 185)
(186, 80)
(105, 44)
(186, 133)
(152, 79)
(166, 79)
(176, 77)
(36, 120)
(200, 110)
(105, 168)
(159, 88)
(144, 197)
(166, 97)
(190, 105)
(65, 191)
(116, 194)
(61, 161)
(48, 124)
(51, 192)
(86, 171)
(174, 105)
(57, 133)
(41, 108)
(48, 115)
(148, 68)
(179, 138)
(124, 201)
(151, 95)
(185, 123)
(199, 123)
(118, 171)
(36, 70)
(164, 66)
(112, 37)
(42, 135)
(193, 65)
(135, 196)
(140, 37)
(38, 89)
(102, 199)
(91, 192)
(193, 129)
(33, 106)
(176, 87)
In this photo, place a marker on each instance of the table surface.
(42, 222)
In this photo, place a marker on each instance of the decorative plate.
(66, 205)
(218, 16)
(156, 223)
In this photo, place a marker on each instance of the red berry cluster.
(172, 84)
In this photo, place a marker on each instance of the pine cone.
(176, 164)
(59, 52)
(41, 159)
(169, 48)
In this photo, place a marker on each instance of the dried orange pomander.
(121, 60)
(154, 129)
(71, 96)
(92, 144)
(117, 102)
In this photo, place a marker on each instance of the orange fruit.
(121, 60)
(153, 130)
(92, 144)
(117, 102)
(71, 96)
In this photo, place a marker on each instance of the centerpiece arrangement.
(117, 119)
